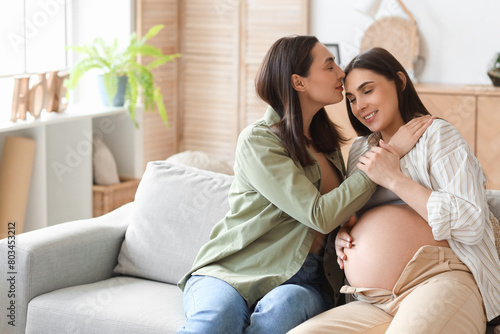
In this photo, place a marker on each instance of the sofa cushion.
(113, 306)
(174, 211)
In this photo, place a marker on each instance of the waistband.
(427, 262)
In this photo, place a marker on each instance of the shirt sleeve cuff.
(439, 216)
(369, 182)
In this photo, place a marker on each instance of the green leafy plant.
(115, 62)
(494, 70)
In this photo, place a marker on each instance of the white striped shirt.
(458, 211)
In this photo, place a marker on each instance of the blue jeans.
(214, 306)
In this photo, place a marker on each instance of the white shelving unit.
(62, 178)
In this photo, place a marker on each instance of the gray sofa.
(117, 273)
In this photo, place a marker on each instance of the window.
(33, 38)
(34, 35)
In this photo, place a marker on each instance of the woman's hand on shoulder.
(344, 240)
(408, 135)
(381, 164)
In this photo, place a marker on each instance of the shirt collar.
(271, 117)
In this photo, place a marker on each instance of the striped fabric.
(457, 208)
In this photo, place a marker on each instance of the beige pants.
(436, 293)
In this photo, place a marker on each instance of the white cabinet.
(61, 182)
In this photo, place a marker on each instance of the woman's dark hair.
(384, 63)
(288, 56)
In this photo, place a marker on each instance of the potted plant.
(494, 70)
(119, 67)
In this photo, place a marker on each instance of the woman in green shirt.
(261, 271)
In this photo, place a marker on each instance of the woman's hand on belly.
(344, 240)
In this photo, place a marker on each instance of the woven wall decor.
(397, 35)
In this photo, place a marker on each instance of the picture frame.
(335, 50)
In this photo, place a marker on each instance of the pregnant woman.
(422, 256)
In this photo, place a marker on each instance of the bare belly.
(384, 240)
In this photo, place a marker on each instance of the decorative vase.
(494, 70)
(119, 98)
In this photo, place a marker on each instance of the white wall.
(458, 37)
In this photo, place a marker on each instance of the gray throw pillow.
(174, 211)
(494, 201)
(104, 165)
(202, 160)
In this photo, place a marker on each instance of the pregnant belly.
(384, 240)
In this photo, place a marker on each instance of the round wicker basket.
(397, 35)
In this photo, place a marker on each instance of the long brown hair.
(287, 56)
(382, 62)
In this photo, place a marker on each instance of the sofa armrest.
(55, 257)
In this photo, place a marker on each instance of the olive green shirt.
(275, 209)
